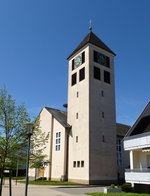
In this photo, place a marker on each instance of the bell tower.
(91, 113)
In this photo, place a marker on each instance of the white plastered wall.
(56, 166)
(58, 157)
(79, 151)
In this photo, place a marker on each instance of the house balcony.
(135, 142)
(138, 176)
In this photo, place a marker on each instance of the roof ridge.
(54, 109)
(59, 115)
(93, 39)
(123, 124)
(138, 119)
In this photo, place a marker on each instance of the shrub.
(126, 187)
(112, 186)
(41, 179)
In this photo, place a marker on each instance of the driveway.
(35, 190)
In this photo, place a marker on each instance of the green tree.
(12, 130)
(39, 140)
(13, 135)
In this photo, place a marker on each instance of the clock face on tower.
(78, 61)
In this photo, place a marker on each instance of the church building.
(82, 141)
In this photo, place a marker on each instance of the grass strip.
(44, 182)
(117, 194)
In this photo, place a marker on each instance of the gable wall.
(147, 129)
(46, 126)
(58, 156)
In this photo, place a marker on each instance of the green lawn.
(44, 182)
(117, 194)
(19, 178)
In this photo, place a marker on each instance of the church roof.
(122, 129)
(59, 115)
(93, 39)
(141, 123)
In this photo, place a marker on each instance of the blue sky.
(36, 37)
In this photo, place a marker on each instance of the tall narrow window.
(73, 64)
(102, 114)
(74, 79)
(77, 94)
(95, 56)
(107, 77)
(76, 139)
(82, 163)
(102, 93)
(83, 57)
(58, 140)
(78, 163)
(74, 163)
(103, 138)
(119, 151)
(82, 74)
(97, 73)
(77, 116)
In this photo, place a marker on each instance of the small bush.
(41, 179)
(112, 186)
(126, 187)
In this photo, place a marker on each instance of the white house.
(137, 142)
(82, 143)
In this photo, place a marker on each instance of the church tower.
(91, 113)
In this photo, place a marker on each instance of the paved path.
(35, 190)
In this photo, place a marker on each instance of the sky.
(37, 36)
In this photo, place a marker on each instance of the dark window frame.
(74, 163)
(77, 139)
(107, 77)
(97, 73)
(103, 115)
(72, 64)
(101, 59)
(82, 74)
(73, 79)
(82, 163)
(78, 163)
(83, 57)
(77, 115)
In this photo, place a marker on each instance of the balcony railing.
(137, 141)
(139, 176)
(138, 170)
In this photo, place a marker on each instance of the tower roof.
(93, 39)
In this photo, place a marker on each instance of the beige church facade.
(83, 141)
